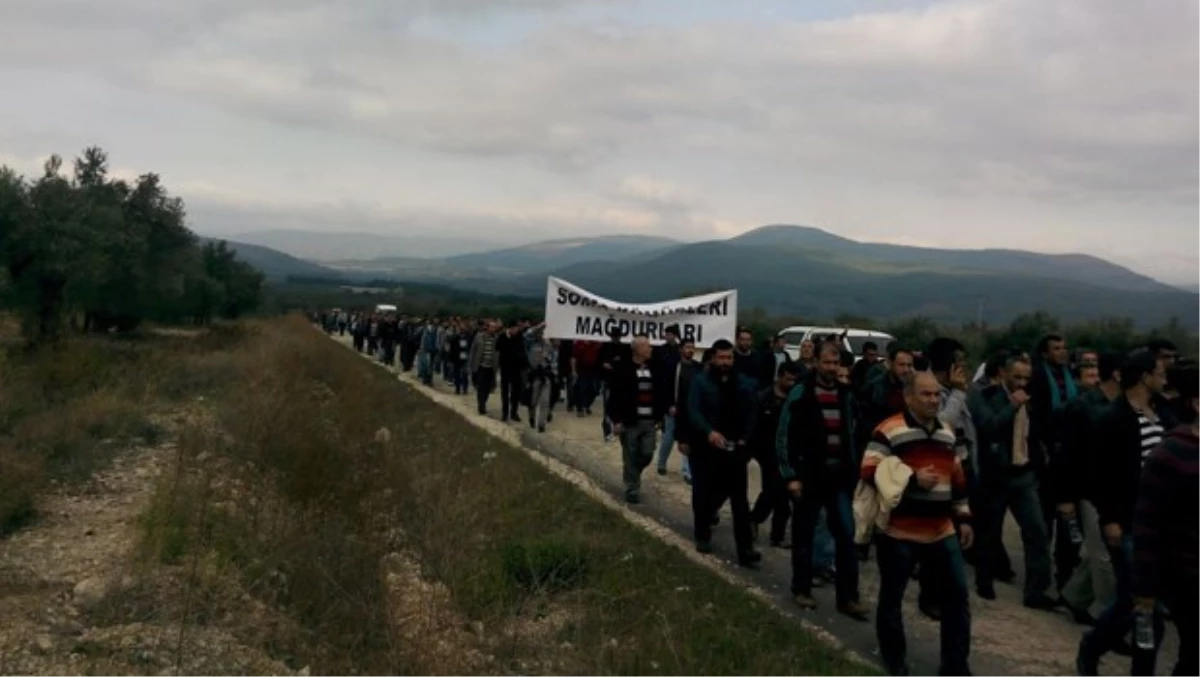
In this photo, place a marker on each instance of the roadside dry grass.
(388, 536)
(313, 514)
(65, 410)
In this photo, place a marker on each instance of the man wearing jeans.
(428, 351)
(635, 408)
(676, 379)
(921, 528)
(1092, 585)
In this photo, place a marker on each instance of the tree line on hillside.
(1111, 334)
(88, 252)
(302, 293)
(1106, 334)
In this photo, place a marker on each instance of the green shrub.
(544, 564)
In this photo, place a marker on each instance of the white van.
(793, 337)
(385, 308)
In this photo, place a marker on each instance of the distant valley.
(793, 270)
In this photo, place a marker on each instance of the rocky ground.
(74, 601)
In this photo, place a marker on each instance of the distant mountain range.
(822, 284)
(318, 246)
(275, 265)
(805, 271)
(542, 256)
(902, 258)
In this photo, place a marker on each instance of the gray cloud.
(1063, 98)
(1070, 103)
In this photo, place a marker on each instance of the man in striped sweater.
(483, 362)
(922, 527)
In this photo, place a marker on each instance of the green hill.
(275, 265)
(542, 256)
(870, 255)
(813, 283)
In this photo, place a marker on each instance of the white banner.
(577, 314)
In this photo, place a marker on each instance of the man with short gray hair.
(922, 527)
(636, 409)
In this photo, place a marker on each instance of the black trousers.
(485, 381)
(510, 393)
(1066, 553)
(716, 475)
(773, 501)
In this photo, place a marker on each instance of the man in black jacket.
(1125, 435)
(1051, 387)
(773, 501)
(389, 332)
(510, 348)
(862, 368)
(676, 381)
(636, 409)
(1072, 472)
(612, 354)
(757, 365)
(666, 360)
(883, 394)
(721, 417)
(1010, 462)
(1166, 531)
(816, 450)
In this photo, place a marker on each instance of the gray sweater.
(483, 345)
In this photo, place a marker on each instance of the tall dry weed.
(277, 485)
(65, 411)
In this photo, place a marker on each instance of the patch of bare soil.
(436, 639)
(61, 577)
(431, 634)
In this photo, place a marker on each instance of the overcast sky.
(1054, 125)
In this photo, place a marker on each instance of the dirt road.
(1006, 637)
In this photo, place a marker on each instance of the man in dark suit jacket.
(721, 419)
(1011, 459)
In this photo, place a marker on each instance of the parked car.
(853, 339)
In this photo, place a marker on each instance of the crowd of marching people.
(904, 457)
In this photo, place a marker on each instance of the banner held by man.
(576, 314)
